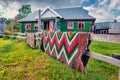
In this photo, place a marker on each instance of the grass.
(19, 62)
(105, 48)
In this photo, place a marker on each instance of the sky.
(102, 10)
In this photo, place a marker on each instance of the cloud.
(74, 1)
(118, 18)
(11, 6)
(9, 9)
(55, 3)
(103, 2)
(1, 7)
(10, 13)
(103, 12)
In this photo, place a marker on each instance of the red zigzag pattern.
(79, 39)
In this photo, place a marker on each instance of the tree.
(25, 10)
(13, 25)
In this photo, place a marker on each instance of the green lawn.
(19, 62)
(105, 48)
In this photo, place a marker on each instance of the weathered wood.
(119, 74)
(106, 38)
(116, 56)
(11, 36)
(30, 39)
(104, 58)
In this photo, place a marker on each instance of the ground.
(19, 62)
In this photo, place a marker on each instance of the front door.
(49, 25)
(46, 25)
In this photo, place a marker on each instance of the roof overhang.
(51, 11)
(77, 19)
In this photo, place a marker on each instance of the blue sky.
(102, 10)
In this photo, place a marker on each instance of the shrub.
(6, 37)
(7, 32)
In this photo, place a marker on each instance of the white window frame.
(70, 23)
(29, 26)
(35, 25)
(81, 22)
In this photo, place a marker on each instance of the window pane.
(36, 26)
(81, 25)
(28, 26)
(70, 25)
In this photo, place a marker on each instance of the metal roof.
(30, 17)
(74, 13)
(102, 25)
(65, 13)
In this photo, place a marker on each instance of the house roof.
(74, 13)
(102, 25)
(48, 8)
(107, 25)
(64, 13)
(30, 17)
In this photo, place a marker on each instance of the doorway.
(46, 25)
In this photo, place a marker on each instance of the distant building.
(3, 24)
(114, 28)
(101, 28)
(107, 28)
(74, 19)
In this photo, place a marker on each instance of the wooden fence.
(106, 59)
(106, 38)
(12, 36)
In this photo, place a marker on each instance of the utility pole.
(11, 28)
(39, 20)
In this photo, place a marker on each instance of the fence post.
(119, 74)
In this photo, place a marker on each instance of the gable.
(49, 13)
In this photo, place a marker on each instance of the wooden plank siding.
(24, 27)
(75, 29)
(63, 26)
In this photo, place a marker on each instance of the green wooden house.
(74, 19)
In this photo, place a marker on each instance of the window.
(58, 24)
(42, 25)
(81, 25)
(36, 26)
(51, 26)
(28, 27)
(70, 25)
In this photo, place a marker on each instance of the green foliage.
(19, 62)
(25, 10)
(13, 25)
(3, 20)
(7, 32)
(9, 21)
(105, 48)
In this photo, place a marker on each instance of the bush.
(6, 37)
(7, 32)
(1, 36)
